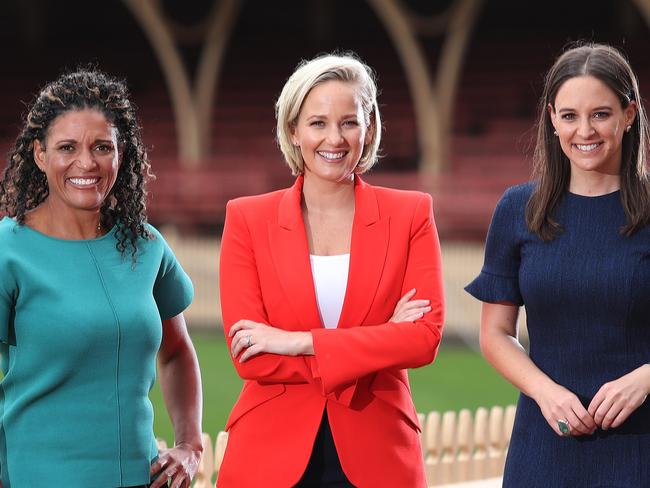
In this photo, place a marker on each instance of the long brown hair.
(551, 167)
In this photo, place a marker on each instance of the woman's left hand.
(255, 338)
(408, 310)
(617, 399)
(177, 466)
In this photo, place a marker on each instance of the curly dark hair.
(23, 186)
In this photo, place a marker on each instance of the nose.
(334, 135)
(585, 129)
(86, 160)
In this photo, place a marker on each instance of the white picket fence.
(461, 446)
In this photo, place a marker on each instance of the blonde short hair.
(308, 74)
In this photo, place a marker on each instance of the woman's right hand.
(408, 310)
(558, 403)
(254, 338)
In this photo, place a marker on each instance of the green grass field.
(459, 378)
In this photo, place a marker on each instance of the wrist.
(645, 370)
(540, 388)
(305, 344)
(196, 446)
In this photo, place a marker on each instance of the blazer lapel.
(367, 255)
(290, 252)
(367, 258)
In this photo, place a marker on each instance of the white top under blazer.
(330, 275)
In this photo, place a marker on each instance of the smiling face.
(331, 131)
(79, 158)
(590, 123)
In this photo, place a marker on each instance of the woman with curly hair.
(90, 293)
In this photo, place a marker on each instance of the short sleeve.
(499, 277)
(173, 289)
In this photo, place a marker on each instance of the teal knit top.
(80, 328)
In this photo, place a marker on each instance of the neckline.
(58, 239)
(330, 256)
(577, 196)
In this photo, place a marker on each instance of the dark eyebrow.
(596, 109)
(67, 141)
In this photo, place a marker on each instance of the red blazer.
(357, 372)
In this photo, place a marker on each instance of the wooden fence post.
(204, 474)
(432, 447)
(463, 456)
(448, 438)
(496, 447)
(480, 458)
(220, 450)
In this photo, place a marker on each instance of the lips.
(83, 181)
(587, 147)
(332, 155)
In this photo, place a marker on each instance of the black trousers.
(324, 468)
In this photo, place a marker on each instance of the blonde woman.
(330, 289)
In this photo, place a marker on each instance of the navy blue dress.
(587, 299)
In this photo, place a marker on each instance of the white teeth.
(84, 181)
(587, 147)
(331, 155)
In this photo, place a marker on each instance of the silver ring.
(564, 427)
(248, 342)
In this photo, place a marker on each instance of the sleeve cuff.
(493, 288)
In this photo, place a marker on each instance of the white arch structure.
(432, 102)
(433, 98)
(192, 105)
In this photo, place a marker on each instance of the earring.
(628, 128)
(555, 133)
